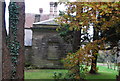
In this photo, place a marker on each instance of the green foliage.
(78, 17)
(57, 76)
(65, 33)
(69, 76)
(112, 35)
(13, 43)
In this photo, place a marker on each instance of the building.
(47, 48)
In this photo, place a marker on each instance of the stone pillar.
(3, 34)
(19, 37)
(37, 18)
(20, 26)
(0, 41)
(6, 61)
(5, 56)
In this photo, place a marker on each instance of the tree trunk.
(93, 69)
(76, 40)
(94, 61)
(76, 45)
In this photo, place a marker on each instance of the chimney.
(55, 9)
(41, 10)
(37, 16)
(51, 9)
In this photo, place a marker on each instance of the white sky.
(32, 6)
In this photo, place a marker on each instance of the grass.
(43, 73)
(103, 73)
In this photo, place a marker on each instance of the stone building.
(47, 48)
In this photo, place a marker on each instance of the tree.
(79, 16)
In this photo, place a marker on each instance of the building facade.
(48, 48)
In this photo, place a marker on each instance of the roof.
(44, 17)
(30, 18)
(46, 22)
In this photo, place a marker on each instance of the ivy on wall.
(13, 43)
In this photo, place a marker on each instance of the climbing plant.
(13, 43)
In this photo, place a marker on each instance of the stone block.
(0, 41)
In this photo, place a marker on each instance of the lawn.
(103, 73)
(43, 73)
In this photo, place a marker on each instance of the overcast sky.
(32, 6)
